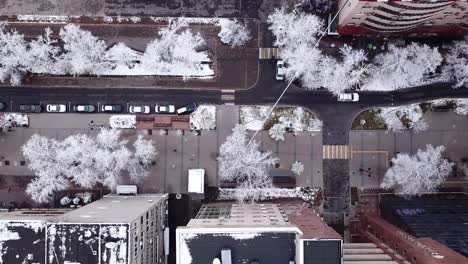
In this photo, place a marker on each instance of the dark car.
(111, 108)
(30, 108)
(84, 108)
(187, 109)
(443, 108)
(2, 106)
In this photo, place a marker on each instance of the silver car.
(139, 109)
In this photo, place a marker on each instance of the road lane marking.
(337, 152)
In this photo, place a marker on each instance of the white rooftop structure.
(113, 209)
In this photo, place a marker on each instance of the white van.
(126, 189)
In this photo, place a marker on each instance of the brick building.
(446, 17)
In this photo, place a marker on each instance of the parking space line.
(98, 110)
(11, 105)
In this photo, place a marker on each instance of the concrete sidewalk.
(177, 152)
(373, 149)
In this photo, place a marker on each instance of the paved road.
(337, 116)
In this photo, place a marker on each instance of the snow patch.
(122, 121)
(13, 120)
(243, 236)
(184, 253)
(43, 19)
(204, 118)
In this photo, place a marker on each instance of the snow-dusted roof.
(34, 214)
(113, 209)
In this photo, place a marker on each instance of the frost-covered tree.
(175, 51)
(296, 34)
(13, 56)
(461, 106)
(43, 54)
(84, 161)
(403, 117)
(203, 118)
(423, 172)
(338, 76)
(297, 167)
(233, 33)
(402, 67)
(120, 55)
(277, 131)
(457, 62)
(83, 52)
(244, 164)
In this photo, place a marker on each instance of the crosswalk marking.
(268, 53)
(337, 152)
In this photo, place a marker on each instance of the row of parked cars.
(106, 108)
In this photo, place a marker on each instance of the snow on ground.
(243, 236)
(203, 72)
(282, 120)
(13, 120)
(228, 194)
(203, 118)
(43, 19)
(462, 106)
(122, 121)
(115, 249)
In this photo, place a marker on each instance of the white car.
(348, 97)
(280, 71)
(164, 109)
(139, 109)
(56, 108)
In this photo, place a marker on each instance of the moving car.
(348, 97)
(111, 108)
(30, 108)
(56, 108)
(139, 109)
(164, 109)
(2, 106)
(84, 108)
(280, 71)
(187, 109)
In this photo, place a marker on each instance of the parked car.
(280, 71)
(443, 108)
(32, 108)
(56, 108)
(164, 109)
(84, 108)
(111, 108)
(187, 109)
(139, 109)
(2, 106)
(348, 97)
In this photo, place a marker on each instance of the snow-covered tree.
(13, 56)
(122, 56)
(83, 52)
(402, 67)
(244, 164)
(423, 172)
(457, 62)
(203, 118)
(338, 76)
(277, 131)
(403, 117)
(175, 50)
(461, 106)
(84, 161)
(297, 167)
(233, 32)
(296, 34)
(43, 54)
(144, 155)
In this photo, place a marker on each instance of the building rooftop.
(239, 215)
(112, 209)
(442, 217)
(33, 214)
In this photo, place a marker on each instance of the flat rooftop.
(112, 209)
(33, 214)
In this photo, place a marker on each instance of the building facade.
(113, 230)
(447, 17)
(257, 233)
